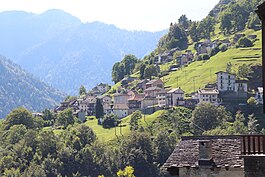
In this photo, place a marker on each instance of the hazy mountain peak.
(59, 16)
(66, 53)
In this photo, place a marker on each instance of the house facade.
(175, 97)
(121, 110)
(225, 81)
(152, 91)
(259, 95)
(154, 83)
(208, 95)
(241, 86)
(120, 98)
(135, 101)
(149, 101)
(162, 100)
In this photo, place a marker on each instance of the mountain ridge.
(67, 53)
(19, 88)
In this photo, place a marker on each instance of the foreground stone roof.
(226, 151)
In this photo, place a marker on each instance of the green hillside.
(199, 73)
(107, 135)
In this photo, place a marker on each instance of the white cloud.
(150, 15)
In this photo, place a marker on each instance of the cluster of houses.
(155, 96)
(204, 47)
(228, 155)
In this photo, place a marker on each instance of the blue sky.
(149, 15)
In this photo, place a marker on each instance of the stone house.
(226, 42)
(204, 47)
(259, 95)
(206, 156)
(152, 91)
(149, 101)
(100, 89)
(135, 101)
(241, 86)
(120, 105)
(125, 81)
(208, 95)
(166, 56)
(154, 83)
(120, 98)
(218, 156)
(121, 110)
(227, 82)
(108, 109)
(74, 104)
(106, 101)
(162, 100)
(141, 84)
(175, 97)
(91, 104)
(83, 105)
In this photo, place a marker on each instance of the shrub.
(244, 42)
(223, 47)
(109, 121)
(203, 57)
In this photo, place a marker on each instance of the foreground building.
(218, 156)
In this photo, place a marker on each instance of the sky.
(148, 15)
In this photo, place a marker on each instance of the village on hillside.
(149, 96)
(156, 97)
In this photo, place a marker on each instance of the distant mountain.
(18, 88)
(66, 53)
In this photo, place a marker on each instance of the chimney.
(205, 153)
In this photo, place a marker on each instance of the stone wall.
(207, 172)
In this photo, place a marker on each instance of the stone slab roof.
(209, 91)
(153, 89)
(176, 90)
(120, 107)
(226, 151)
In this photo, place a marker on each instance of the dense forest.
(17, 87)
(60, 144)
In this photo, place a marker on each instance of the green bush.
(109, 121)
(244, 42)
(223, 47)
(203, 57)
